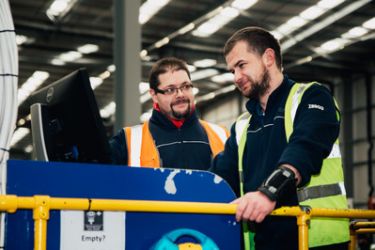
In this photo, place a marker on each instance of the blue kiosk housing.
(142, 230)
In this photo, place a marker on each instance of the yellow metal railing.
(359, 227)
(41, 205)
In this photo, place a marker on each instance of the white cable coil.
(8, 92)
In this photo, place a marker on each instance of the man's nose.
(237, 76)
(179, 91)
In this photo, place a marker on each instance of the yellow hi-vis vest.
(325, 190)
(142, 150)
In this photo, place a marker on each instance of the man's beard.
(258, 89)
(181, 115)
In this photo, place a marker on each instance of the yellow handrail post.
(303, 221)
(40, 216)
(353, 235)
(353, 239)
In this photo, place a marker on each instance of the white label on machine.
(92, 230)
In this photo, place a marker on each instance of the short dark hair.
(164, 65)
(257, 39)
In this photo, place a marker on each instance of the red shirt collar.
(177, 123)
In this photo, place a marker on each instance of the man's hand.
(253, 206)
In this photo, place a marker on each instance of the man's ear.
(153, 95)
(269, 57)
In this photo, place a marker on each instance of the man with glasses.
(174, 137)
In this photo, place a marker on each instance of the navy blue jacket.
(314, 133)
(186, 147)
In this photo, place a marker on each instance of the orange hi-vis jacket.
(143, 152)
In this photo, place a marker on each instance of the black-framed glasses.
(173, 91)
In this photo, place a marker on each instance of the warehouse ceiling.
(91, 22)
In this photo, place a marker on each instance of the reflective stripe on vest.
(241, 126)
(135, 148)
(220, 131)
(327, 189)
(135, 136)
(321, 191)
(142, 150)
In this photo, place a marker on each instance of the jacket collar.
(162, 120)
(253, 105)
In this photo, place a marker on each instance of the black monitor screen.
(66, 123)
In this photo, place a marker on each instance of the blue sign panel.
(142, 230)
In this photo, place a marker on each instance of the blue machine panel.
(28, 178)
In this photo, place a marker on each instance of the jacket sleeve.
(119, 150)
(225, 164)
(315, 130)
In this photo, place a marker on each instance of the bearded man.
(284, 150)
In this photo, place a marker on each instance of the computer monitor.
(66, 124)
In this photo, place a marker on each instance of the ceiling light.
(28, 148)
(370, 24)
(216, 22)
(277, 34)
(354, 33)
(201, 74)
(195, 91)
(204, 63)
(143, 53)
(111, 68)
(105, 75)
(296, 22)
(21, 122)
(225, 90)
(285, 29)
(31, 84)
(186, 28)
(143, 87)
(57, 7)
(88, 48)
(70, 56)
(304, 17)
(205, 29)
(57, 62)
(333, 45)
(206, 97)
(162, 42)
(212, 95)
(229, 12)
(223, 78)
(21, 39)
(314, 28)
(95, 82)
(329, 4)
(149, 9)
(243, 4)
(145, 97)
(304, 60)
(108, 110)
(311, 13)
(40, 75)
(18, 135)
(191, 68)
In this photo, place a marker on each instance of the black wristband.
(279, 179)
